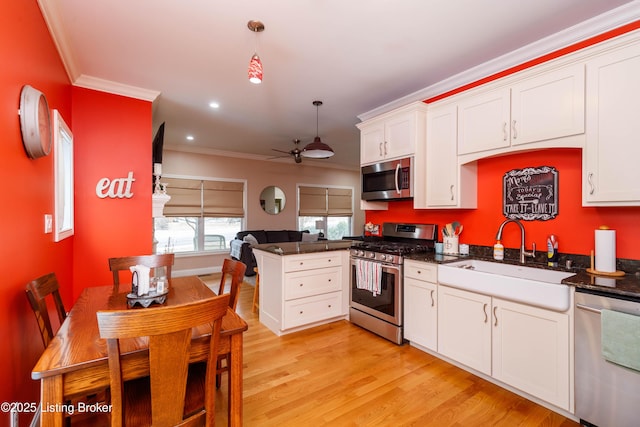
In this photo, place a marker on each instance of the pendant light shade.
(317, 149)
(255, 69)
(255, 65)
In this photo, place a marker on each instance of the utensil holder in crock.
(450, 245)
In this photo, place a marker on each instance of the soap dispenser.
(498, 251)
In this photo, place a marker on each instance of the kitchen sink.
(529, 285)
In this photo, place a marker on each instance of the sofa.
(241, 246)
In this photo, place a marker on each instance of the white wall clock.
(35, 122)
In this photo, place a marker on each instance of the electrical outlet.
(48, 223)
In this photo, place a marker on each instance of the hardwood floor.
(342, 375)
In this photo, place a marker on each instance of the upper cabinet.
(610, 158)
(392, 135)
(529, 113)
(448, 185)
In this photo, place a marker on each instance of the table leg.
(51, 400)
(235, 377)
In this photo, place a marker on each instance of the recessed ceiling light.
(190, 138)
(214, 104)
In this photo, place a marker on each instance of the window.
(202, 215)
(325, 210)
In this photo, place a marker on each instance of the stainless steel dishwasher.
(607, 394)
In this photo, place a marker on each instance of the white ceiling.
(354, 55)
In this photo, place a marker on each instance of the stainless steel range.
(376, 276)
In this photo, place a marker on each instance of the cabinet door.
(421, 313)
(372, 143)
(442, 161)
(400, 138)
(311, 282)
(464, 328)
(610, 159)
(531, 350)
(548, 106)
(483, 121)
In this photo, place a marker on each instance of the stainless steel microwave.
(388, 180)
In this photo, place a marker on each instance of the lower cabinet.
(525, 347)
(531, 351)
(420, 304)
(302, 290)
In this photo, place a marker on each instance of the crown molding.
(257, 157)
(590, 28)
(116, 88)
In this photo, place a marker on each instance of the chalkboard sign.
(530, 193)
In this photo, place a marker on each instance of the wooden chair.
(234, 270)
(256, 292)
(37, 292)
(167, 398)
(116, 265)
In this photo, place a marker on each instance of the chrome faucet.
(523, 251)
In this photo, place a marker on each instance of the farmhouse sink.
(529, 285)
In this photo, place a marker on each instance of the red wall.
(28, 56)
(573, 226)
(113, 136)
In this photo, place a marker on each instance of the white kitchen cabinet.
(524, 115)
(525, 347)
(392, 135)
(548, 106)
(610, 158)
(302, 290)
(448, 184)
(531, 350)
(421, 304)
(464, 327)
(483, 121)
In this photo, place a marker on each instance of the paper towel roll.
(606, 251)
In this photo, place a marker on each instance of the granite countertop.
(292, 248)
(627, 286)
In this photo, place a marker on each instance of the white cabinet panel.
(610, 158)
(464, 327)
(311, 282)
(531, 350)
(483, 121)
(548, 106)
(312, 309)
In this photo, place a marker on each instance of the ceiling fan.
(295, 152)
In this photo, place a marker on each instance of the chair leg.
(256, 292)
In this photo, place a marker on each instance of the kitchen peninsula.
(303, 284)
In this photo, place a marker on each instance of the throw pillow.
(250, 239)
(308, 237)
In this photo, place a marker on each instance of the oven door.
(386, 306)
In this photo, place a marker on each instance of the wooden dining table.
(76, 364)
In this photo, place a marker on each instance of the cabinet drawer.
(313, 282)
(312, 309)
(306, 262)
(421, 271)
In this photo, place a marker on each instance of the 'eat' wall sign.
(531, 193)
(119, 188)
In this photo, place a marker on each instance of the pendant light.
(317, 149)
(255, 65)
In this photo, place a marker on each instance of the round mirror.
(272, 200)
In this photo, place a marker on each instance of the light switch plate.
(48, 223)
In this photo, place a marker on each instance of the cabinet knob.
(495, 316)
(301, 284)
(329, 306)
(484, 309)
(514, 131)
(590, 180)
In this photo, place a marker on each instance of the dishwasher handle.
(588, 308)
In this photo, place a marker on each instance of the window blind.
(321, 201)
(194, 197)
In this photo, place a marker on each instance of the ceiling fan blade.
(281, 151)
